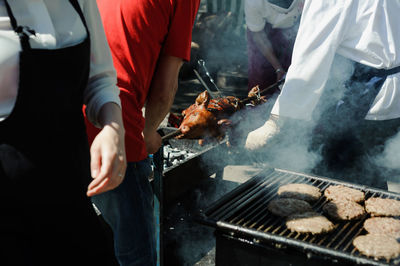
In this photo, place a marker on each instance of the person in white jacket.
(365, 32)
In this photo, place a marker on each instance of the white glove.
(258, 138)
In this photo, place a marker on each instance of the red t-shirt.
(138, 31)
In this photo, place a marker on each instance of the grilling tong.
(216, 92)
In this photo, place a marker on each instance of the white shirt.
(259, 12)
(365, 31)
(57, 25)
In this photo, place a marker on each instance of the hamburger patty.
(340, 192)
(383, 226)
(285, 206)
(377, 246)
(309, 222)
(382, 207)
(344, 210)
(299, 191)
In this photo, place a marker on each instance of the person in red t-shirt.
(149, 41)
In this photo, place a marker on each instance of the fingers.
(110, 175)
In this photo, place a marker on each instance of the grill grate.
(244, 211)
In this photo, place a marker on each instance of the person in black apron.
(346, 140)
(46, 218)
(263, 71)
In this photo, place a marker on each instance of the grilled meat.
(286, 206)
(340, 192)
(377, 246)
(300, 191)
(383, 226)
(309, 222)
(207, 117)
(382, 207)
(344, 210)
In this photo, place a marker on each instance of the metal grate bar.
(249, 213)
(218, 212)
(245, 200)
(348, 233)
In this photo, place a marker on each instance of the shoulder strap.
(22, 31)
(78, 9)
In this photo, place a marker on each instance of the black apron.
(46, 218)
(348, 143)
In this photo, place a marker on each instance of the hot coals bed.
(248, 234)
(186, 163)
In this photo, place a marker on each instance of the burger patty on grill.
(309, 222)
(344, 210)
(382, 207)
(377, 246)
(286, 206)
(383, 226)
(300, 191)
(340, 192)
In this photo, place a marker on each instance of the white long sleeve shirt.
(259, 12)
(365, 31)
(57, 25)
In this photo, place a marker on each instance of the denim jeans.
(128, 210)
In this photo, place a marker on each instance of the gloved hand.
(258, 138)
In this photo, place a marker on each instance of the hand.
(108, 160)
(258, 138)
(153, 141)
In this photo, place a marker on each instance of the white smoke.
(390, 156)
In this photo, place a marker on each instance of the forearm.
(110, 115)
(264, 45)
(162, 92)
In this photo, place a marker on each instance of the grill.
(198, 163)
(245, 226)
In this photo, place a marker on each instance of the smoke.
(390, 157)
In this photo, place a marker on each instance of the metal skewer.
(177, 132)
(171, 135)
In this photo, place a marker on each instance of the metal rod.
(204, 84)
(171, 135)
(202, 64)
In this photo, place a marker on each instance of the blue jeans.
(128, 210)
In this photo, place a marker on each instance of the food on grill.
(285, 206)
(299, 191)
(377, 246)
(309, 222)
(344, 210)
(382, 207)
(207, 117)
(383, 226)
(340, 192)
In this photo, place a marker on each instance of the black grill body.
(248, 233)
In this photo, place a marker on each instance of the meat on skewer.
(209, 118)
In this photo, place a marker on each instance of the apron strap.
(388, 72)
(78, 9)
(361, 91)
(363, 73)
(23, 31)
